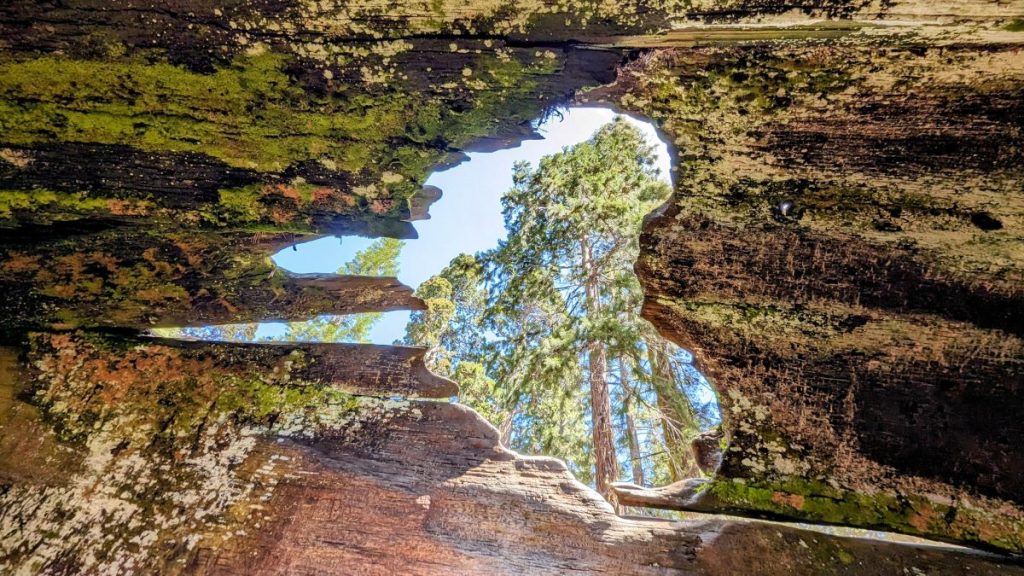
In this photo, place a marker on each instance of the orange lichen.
(281, 216)
(323, 194)
(922, 519)
(118, 207)
(381, 206)
(289, 192)
(17, 263)
(791, 500)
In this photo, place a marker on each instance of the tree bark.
(417, 488)
(854, 351)
(606, 467)
(505, 427)
(636, 465)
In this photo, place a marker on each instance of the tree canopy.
(543, 332)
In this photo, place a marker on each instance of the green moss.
(252, 114)
(816, 501)
(161, 107)
(242, 204)
(190, 391)
(253, 203)
(1015, 26)
(58, 205)
(256, 401)
(249, 114)
(775, 322)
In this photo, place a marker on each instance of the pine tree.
(572, 227)
(221, 333)
(450, 329)
(543, 332)
(678, 420)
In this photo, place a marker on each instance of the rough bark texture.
(123, 279)
(843, 254)
(266, 472)
(357, 369)
(606, 464)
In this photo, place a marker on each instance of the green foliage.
(242, 204)
(561, 284)
(514, 326)
(478, 390)
(451, 326)
(598, 192)
(378, 259)
(426, 328)
(224, 333)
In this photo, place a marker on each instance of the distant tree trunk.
(636, 465)
(505, 427)
(601, 416)
(677, 417)
(605, 461)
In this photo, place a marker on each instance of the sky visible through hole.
(467, 219)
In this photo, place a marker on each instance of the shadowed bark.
(841, 256)
(123, 279)
(360, 369)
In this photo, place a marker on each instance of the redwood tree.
(572, 227)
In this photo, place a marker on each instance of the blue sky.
(467, 217)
